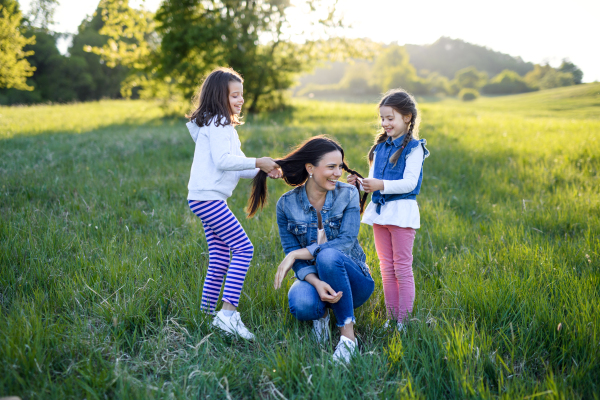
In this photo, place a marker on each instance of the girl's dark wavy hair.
(404, 103)
(294, 171)
(213, 99)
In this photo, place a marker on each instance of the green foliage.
(506, 82)
(470, 78)
(14, 67)
(393, 69)
(103, 263)
(546, 77)
(568, 67)
(251, 37)
(468, 94)
(78, 76)
(447, 56)
(170, 56)
(41, 14)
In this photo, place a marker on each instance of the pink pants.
(394, 249)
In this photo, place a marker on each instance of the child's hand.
(266, 164)
(372, 185)
(275, 174)
(351, 179)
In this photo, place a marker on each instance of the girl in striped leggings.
(218, 165)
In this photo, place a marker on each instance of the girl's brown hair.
(404, 103)
(294, 170)
(213, 99)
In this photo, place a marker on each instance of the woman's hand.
(372, 185)
(283, 269)
(266, 164)
(326, 292)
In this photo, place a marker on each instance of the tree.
(41, 14)
(506, 82)
(254, 37)
(568, 67)
(14, 67)
(393, 69)
(546, 77)
(470, 78)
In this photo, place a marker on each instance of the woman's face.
(327, 172)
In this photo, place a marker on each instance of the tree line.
(125, 52)
(447, 67)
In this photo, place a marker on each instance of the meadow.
(102, 262)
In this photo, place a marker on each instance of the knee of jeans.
(302, 308)
(328, 258)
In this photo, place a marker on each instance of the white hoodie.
(219, 162)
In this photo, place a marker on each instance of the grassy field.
(102, 263)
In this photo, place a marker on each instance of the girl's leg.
(342, 274)
(385, 253)
(224, 232)
(218, 263)
(402, 243)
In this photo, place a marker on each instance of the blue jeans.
(342, 274)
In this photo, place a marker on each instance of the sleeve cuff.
(312, 248)
(302, 272)
(385, 183)
(251, 163)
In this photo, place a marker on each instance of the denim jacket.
(385, 170)
(298, 225)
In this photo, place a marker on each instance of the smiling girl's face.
(236, 96)
(394, 123)
(327, 172)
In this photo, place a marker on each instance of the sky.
(538, 31)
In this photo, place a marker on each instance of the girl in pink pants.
(395, 178)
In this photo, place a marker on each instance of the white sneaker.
(344, 350)
(321, 328)
(399, 326)
(232, 325)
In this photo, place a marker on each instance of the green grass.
(102, 263)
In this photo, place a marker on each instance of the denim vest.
(385, 170)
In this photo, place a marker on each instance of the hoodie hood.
(194, 130)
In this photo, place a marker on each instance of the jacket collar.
(329, 199)
(397, 142)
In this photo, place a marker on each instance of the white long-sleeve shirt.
(403, 213)
(219, 162)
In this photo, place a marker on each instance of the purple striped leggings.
(224, 234)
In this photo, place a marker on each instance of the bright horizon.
(537, 31)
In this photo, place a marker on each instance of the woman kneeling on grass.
(318, 226)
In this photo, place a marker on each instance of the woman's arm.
(326, 292)
(290, 243)
(289, 261)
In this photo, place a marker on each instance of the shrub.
(467, 94)
(506, 82)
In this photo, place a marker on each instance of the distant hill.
(446, 56)
(578, 101)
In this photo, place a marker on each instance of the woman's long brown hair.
(294, 171)
(213, 99)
